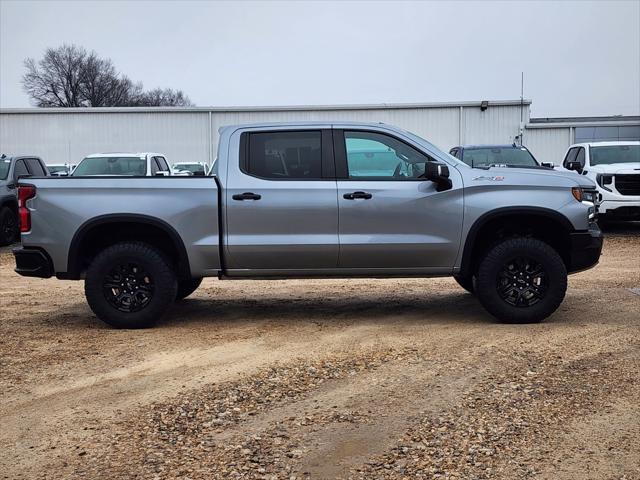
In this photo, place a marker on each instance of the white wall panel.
(67, 135)
(548, 144)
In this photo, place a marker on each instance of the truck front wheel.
(130, 285)
(187, 287)
(466, 282)
(521, 280)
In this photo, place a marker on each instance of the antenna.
(521, 108)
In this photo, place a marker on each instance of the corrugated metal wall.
(67, 135)
(548, 144)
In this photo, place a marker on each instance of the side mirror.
(576, 166)
(438, 173)
(199, 173)
(162, 173)
(548, 164)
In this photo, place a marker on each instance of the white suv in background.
(128, 164)
(615, 167)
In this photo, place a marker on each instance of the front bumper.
(623, 210)
(585, 248)
(32, 262)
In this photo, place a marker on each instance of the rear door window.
(286, 155)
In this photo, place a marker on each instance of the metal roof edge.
(373, 106)
(615, 123)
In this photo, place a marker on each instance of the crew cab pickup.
(615, 167)
(301, 200)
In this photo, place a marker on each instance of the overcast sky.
(578, 58)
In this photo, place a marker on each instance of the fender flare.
(74, 266)
(467, 260)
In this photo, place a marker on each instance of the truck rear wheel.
(130, 285)
(8, 226)
(187, 287)
(521, 280)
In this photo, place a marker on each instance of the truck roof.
(124, 154)
(491, 145)
(606, 144)
(314, 123)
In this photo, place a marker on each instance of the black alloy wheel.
(522, 282)
(128, 287)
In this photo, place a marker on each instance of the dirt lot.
(324, 379)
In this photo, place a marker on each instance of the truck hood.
(614, 168)
(537, 176)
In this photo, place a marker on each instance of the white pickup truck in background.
(615, 168)
(144, 164)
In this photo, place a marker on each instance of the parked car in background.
(12, 168)
(482, 156)
(145, 164)
(59, 169)
(196, 168)
(313, 199)
(615, 167)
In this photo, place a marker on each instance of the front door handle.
(246, 196)
(354, 195)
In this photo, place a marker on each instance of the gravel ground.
(390, 379)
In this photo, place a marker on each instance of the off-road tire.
(466, 282)
(159, 270)
(498, 257)
(8, 226)
(187, 287)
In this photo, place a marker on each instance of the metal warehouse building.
(66, 135)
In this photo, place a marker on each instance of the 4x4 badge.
(490, 179)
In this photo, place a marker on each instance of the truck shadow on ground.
(621, 228)
(443, 308)
(457, 307)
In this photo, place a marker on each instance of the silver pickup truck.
(301, 200)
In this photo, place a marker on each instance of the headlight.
(582, 195)
(603, 180)
(577, 193)
(589, 196)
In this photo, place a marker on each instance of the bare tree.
(163, 97)
(55, 81)
(69, 76)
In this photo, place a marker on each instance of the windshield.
(4, 168)
(111, 166)
(191, 167)
(615, 154)
(57, 168)
(485, 157)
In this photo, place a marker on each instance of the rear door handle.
(354, 195)
(246, 196)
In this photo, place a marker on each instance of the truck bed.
(187, 208)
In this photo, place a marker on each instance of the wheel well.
(92, 239)
(547, 228)
(11, 203)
